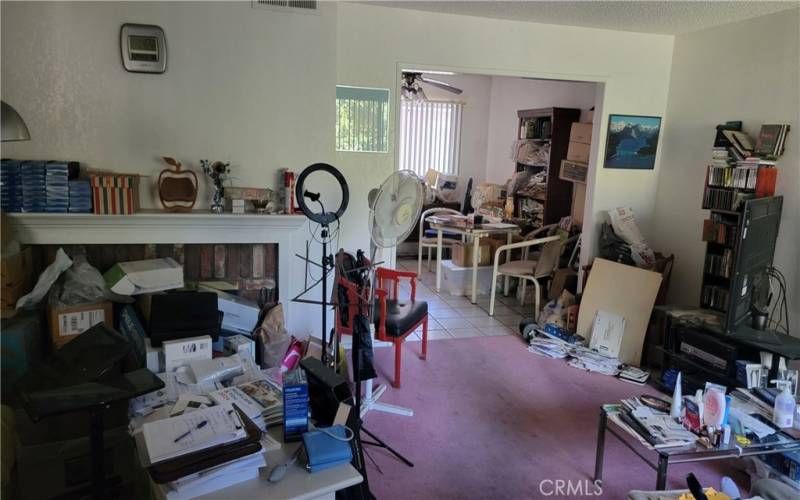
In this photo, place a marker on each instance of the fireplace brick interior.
(252, 266)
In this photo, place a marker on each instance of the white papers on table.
(216, 478)
(665, 431)
(607, 332)
(760, 429)
(176, 436)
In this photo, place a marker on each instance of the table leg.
(661, 479)
(601, 443)
(438, 259)
(476, 245)
(507, 278)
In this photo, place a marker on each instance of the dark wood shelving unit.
(558, 199)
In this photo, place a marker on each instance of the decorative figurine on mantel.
(177, 187)
(218, 172)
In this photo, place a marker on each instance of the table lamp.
(13, 126)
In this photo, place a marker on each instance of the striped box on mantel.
(115, 193)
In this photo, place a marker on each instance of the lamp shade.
(13, 126)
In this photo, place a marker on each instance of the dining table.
(473, 232)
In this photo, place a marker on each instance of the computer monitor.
(756, 248)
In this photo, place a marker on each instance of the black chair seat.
(401, 315)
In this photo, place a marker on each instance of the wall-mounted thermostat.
(144, 48)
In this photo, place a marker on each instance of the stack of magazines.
(260, 400)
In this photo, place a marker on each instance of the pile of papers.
(223, 415)
(589, 360)
(633, 375)
(260, 400)
(551, 346)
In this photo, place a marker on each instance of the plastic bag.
(46, 280)
(82, 283)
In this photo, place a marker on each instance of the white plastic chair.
(527, 270)
(430, 243)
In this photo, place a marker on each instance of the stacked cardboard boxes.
(580, 144)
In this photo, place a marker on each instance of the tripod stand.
(356, 306)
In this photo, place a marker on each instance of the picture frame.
(632, 142)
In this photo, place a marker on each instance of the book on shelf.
(714, 297)
(719, 231)
(771, 140)
(719, 265)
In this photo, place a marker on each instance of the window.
(430, 136)
(362, 119)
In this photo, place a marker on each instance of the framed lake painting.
(632, 141)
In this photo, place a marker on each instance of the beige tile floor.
(453, 316)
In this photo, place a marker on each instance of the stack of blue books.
(10, 186)
(57, 186)
(80, 196)
(34, 187)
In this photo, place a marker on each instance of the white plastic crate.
(457, 280)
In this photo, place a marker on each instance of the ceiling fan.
(413, 91)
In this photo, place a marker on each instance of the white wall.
(374, 43)
(255, 87)
(509, 95)
(474, 122)
(745, 71)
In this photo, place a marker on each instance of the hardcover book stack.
(56, 187)
(34, 186)
(10, 186)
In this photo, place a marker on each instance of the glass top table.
(775, 443)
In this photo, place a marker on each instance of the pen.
(199, 426)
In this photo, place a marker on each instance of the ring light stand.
(324, 219)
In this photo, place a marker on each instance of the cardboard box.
(181, 352)
(143, 276)
(578, 203)
(590, 116)
(573, 171)
(462, 254)
(16, 277)
(56, 469)
(67, 322)
(154, 357)
(115, 193)
(578, 151)
(239, 344)
(581, 132)
(238, 314)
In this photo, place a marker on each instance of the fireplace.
(257, 251)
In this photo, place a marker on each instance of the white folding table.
(443, 224)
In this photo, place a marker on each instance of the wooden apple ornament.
(177, 188)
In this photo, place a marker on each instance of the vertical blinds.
(430, 136)
(362, 119)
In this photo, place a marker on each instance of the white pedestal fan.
(394, 209)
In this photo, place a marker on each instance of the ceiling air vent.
(284, 5)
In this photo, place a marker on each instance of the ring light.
(322, 217)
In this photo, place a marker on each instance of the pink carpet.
(493, 420)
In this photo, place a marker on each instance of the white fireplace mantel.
(195, 227)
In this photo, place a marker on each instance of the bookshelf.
(546, 129)
(738, 190)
